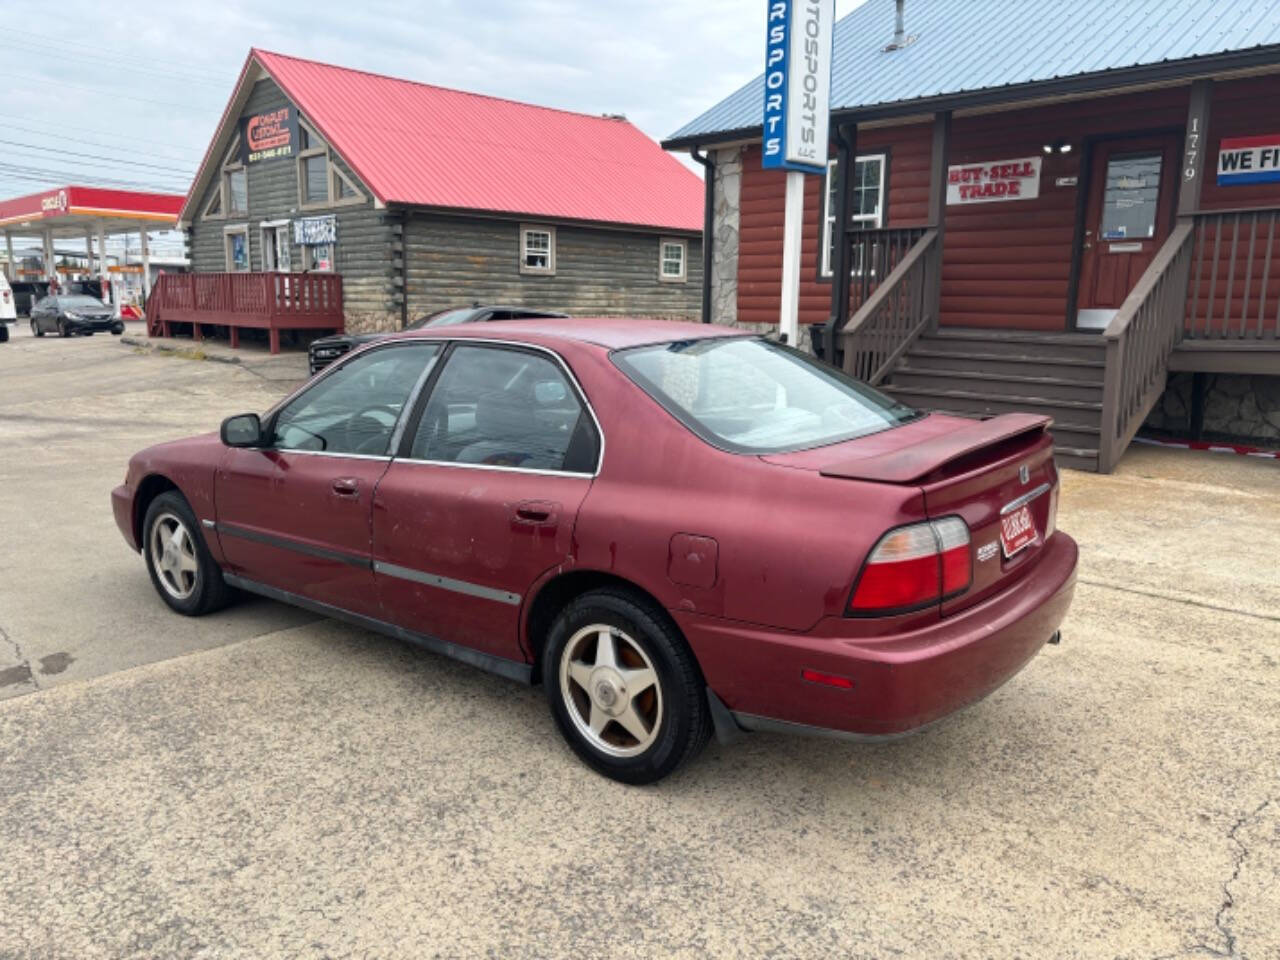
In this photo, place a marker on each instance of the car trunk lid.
(982, 471)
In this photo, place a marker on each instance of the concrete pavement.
(263, 784)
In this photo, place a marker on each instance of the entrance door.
(275, 247)
(1128, 216)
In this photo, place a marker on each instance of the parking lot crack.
(1229, 947)
(22, 673)
(1173, 598)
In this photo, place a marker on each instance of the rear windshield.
(750, 395)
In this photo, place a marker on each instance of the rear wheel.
(182, 570)
(624, 688)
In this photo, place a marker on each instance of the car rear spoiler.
(917, 461)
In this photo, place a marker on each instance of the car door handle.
(541, 512)
(346, 487)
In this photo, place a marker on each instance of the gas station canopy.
(88, 212)
(75, 211)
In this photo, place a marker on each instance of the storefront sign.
(54, 203)
(797, 84)
(124, 268)
(314, 231)
(996, 180)
(1249, 160)
(265, 136)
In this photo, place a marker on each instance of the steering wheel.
(369, 430)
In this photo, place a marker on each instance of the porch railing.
(270, 301)
(1235, 278)
(895, 305)
(872, 256)
(1139, 340)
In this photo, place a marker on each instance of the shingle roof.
(413, 143)
(966, 46)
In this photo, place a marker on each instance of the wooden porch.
(259, 301)
(1208, 301)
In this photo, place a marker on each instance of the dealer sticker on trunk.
(1017, 530)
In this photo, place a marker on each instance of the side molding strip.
(511, 669)
(297, 546)
(445, 583)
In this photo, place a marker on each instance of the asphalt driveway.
(265, 784)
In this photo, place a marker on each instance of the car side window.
(503, 407)
(354, 409)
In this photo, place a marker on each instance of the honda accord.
(675, 529)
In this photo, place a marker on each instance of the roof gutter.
(1106, 80)
(708, 227)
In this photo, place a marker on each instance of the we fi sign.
(797, 84)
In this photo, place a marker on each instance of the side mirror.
(243, 430)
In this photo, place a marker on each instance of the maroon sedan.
(674, 528)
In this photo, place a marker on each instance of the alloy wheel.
(173, 554)
(611, 690)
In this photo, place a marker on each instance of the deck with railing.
(262, 301)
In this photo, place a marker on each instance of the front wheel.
(62, 329)
(624, 688)
(182, 570)
(35, 329)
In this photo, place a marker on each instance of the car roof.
(609, 332)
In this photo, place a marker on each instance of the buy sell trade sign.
(1249, 160)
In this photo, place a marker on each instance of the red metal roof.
(93, 202)
(413, 143)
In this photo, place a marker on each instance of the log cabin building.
(1068, 208)
(331, 198)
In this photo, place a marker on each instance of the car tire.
(637, 735)
(182, 569)
(62, 329)
(4, 332)
(117, 330)
(35, 329)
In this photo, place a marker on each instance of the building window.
(866, 204)
(237, 189)
(318, 258)
(313, 169)
(237, 248)
(231, 194)
(672, 255)
(538, 250)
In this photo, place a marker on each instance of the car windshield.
(445, 318)
(81, 302)
(750, 395)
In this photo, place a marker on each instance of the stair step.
(1070, 368)
(1017, 343)
(997, 384)
(1076, 458)
(1076, 411)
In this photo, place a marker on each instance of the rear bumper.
(122, 507)
(901, 682)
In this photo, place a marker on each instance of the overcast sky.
(131, 92)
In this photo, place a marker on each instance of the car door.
(295, 515)
(482, 498)
(40, 314)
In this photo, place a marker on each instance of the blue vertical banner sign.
(797, 84)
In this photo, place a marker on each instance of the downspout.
(708, 227)
(846, 156)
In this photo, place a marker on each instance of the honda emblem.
(1024, 474)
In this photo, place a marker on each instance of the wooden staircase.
(983, 372)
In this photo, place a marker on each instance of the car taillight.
(915, 566)
(1052, 523)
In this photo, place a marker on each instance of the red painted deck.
(260, 301)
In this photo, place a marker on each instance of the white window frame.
(230, 164)
(309, 258)
(875, 220)
(683, 275)
(227, 233)
(550, 269)
(319, 147)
